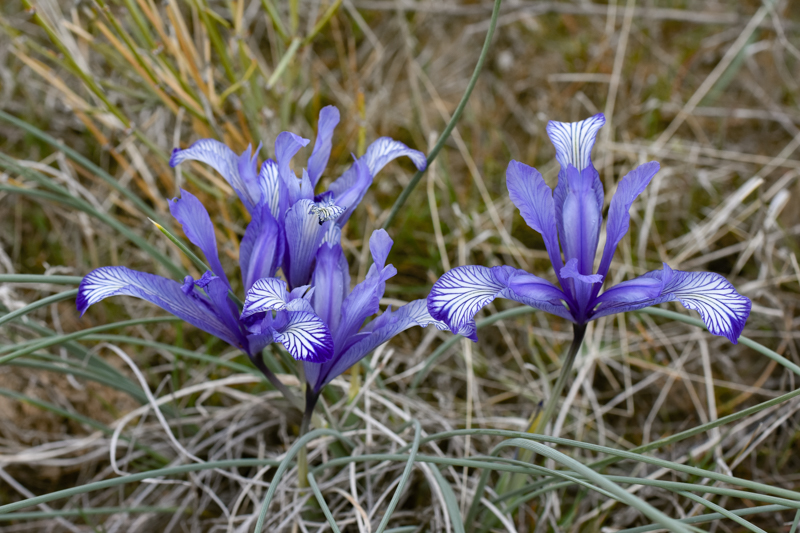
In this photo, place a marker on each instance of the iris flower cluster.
(312, 312)
(572, 214)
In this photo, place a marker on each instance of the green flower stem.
(453, 120)
(302, 454)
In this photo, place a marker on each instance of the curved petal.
(535, 292)
(364, 300)
(287, 145)
(304, 235)
(574, 140)
(629, 187)
(223, 160)
(723, 310)
(380, 244)
(328, 119)
(266, 294)
(386, 149)
(197, 225)
(272, 192)
(382, 328)
(165, 293)
(303, 335)
(349, 189)
(534, 199)
(262, 248)
(570, 270)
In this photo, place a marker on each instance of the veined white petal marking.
(306, 337)
(266, 294)
(461, 292)
(326, 210)
(386, 149)
(574, 140)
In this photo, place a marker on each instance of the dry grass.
(709, 90)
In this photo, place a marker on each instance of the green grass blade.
(450, 501)
(325, 510)
(403, 479)
(61, 296)
(40, 278)
(89, 511)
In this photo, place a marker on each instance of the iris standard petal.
(380, 244)
(331, 281)
(262, 248)
(287, 145)
(582, 218)
(361, 303)
(574, 140)
(266, 294)
(350, 188)
(223, 160)
(618, 221)
(328, 119)
(197, 225)
(383, 328)
(723, 310)
(534, 199)
(304, 336)
(304, 235)
(194, 308)
(386, 149)
(272, 192)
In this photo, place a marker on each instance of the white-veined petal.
(305, 337)
(574, 140)
(266, 294)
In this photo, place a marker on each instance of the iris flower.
(288, 220)
(343, 311)
(287, 227)
(573, 214)
(205, 303)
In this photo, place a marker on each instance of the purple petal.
(304, 235)
(361, 303)
(304, 336)
(262, 248)
(460, 293)
(382, 328)
(574, 140)
(287, 145)
(194, 308)
(723, 310)
(226, 162)
(331, 282)
(379, 245)
(629, 187)
(328, 119)
(386, 149)
(197, 225)
(266, 294)
(534, 199)
(570, 270)
(350, 188)
(631, 291)
(582, 217)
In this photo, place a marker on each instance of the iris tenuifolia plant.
(292, 230)
(572, 214)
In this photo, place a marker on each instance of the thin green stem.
(66, 295)
(453, 120)
(538, 426)
(284, 62)
(302, 455)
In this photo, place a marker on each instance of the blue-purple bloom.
(572, 214)
(287, 228)
(290, 220)
(344, 311)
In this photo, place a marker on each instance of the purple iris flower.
(344, 311)
(205, 303)
(572, 214)
(285, 205)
